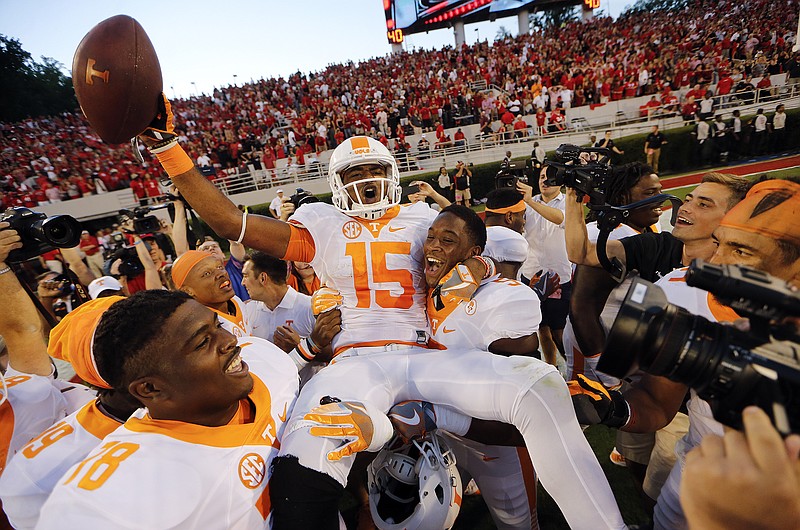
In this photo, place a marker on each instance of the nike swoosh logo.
(414, 420)
(282, 415)
(396, 228)
(445, 330)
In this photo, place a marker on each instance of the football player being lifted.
(370, 249)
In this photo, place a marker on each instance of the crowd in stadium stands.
(676, 57)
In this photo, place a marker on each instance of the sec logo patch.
(351, 229)
(252, 470)
(471, 307)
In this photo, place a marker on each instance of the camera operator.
(544, 230)
(656, 254)
(743, 480)
(760, 232)
(461, 180)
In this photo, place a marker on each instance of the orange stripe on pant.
(529, 478)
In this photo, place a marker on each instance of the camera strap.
(609, 217)
(80, 291)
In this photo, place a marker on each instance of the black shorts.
(555, 310)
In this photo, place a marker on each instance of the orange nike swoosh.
(445, 330)
(489, 458)
(282, 415)
(396, 228)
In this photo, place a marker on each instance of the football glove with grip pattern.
(595, 404)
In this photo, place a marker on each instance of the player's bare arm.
(580, 250)
(20, 324)
(518, 346)
(261, 233)
(654, 401)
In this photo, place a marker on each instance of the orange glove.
(351, 422)
(456, 286)
(595, 404)
(161, 130)
(325, 299)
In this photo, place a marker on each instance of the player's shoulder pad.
(265, 357)
(308, 214)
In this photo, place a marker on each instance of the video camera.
(302, 197)
(510, 173)
(727, 367)
(585, 169)
(143, 223)
(39, 233)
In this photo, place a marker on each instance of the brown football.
(117, 78)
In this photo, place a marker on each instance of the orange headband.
(514, 208)
(771, 208)
(184, 265)
(71, 340)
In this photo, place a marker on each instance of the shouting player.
(370, 249)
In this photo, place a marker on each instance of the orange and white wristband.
(173, 158)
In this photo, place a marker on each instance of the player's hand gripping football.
(161, 131)
(412, 420)
(594, 403)
(358, 426)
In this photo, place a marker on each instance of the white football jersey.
(377, 267)
(36, 469)
(238, 323)
(547, 246)
(499, 309)
(293, 311)
(33, 404)
(160, 474)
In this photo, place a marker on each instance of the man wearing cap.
(105, 286)
(275, 204)
(203, 277)
(760, 232)
(94, 257)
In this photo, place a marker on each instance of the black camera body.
(142, 222)
(585, 169)
(130, 265)
(510, 173)
(727, 367)
(39, 233)
(302, 197)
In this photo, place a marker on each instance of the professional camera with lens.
(40, 233)
(727, 367)
(142, 222)
(130, 266)
(302, 197)
(586, 170)
(510, 173)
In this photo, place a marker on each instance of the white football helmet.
(359, 151)
(415, 487)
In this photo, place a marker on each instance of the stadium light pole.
(234, 79)
(194, 85)
(478, 33)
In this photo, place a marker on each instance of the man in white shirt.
(275, 204)
(779, 128)
(760, 134)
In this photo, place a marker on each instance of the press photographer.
(762, 233)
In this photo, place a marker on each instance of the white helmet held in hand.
(415, 487)
(371, 197)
